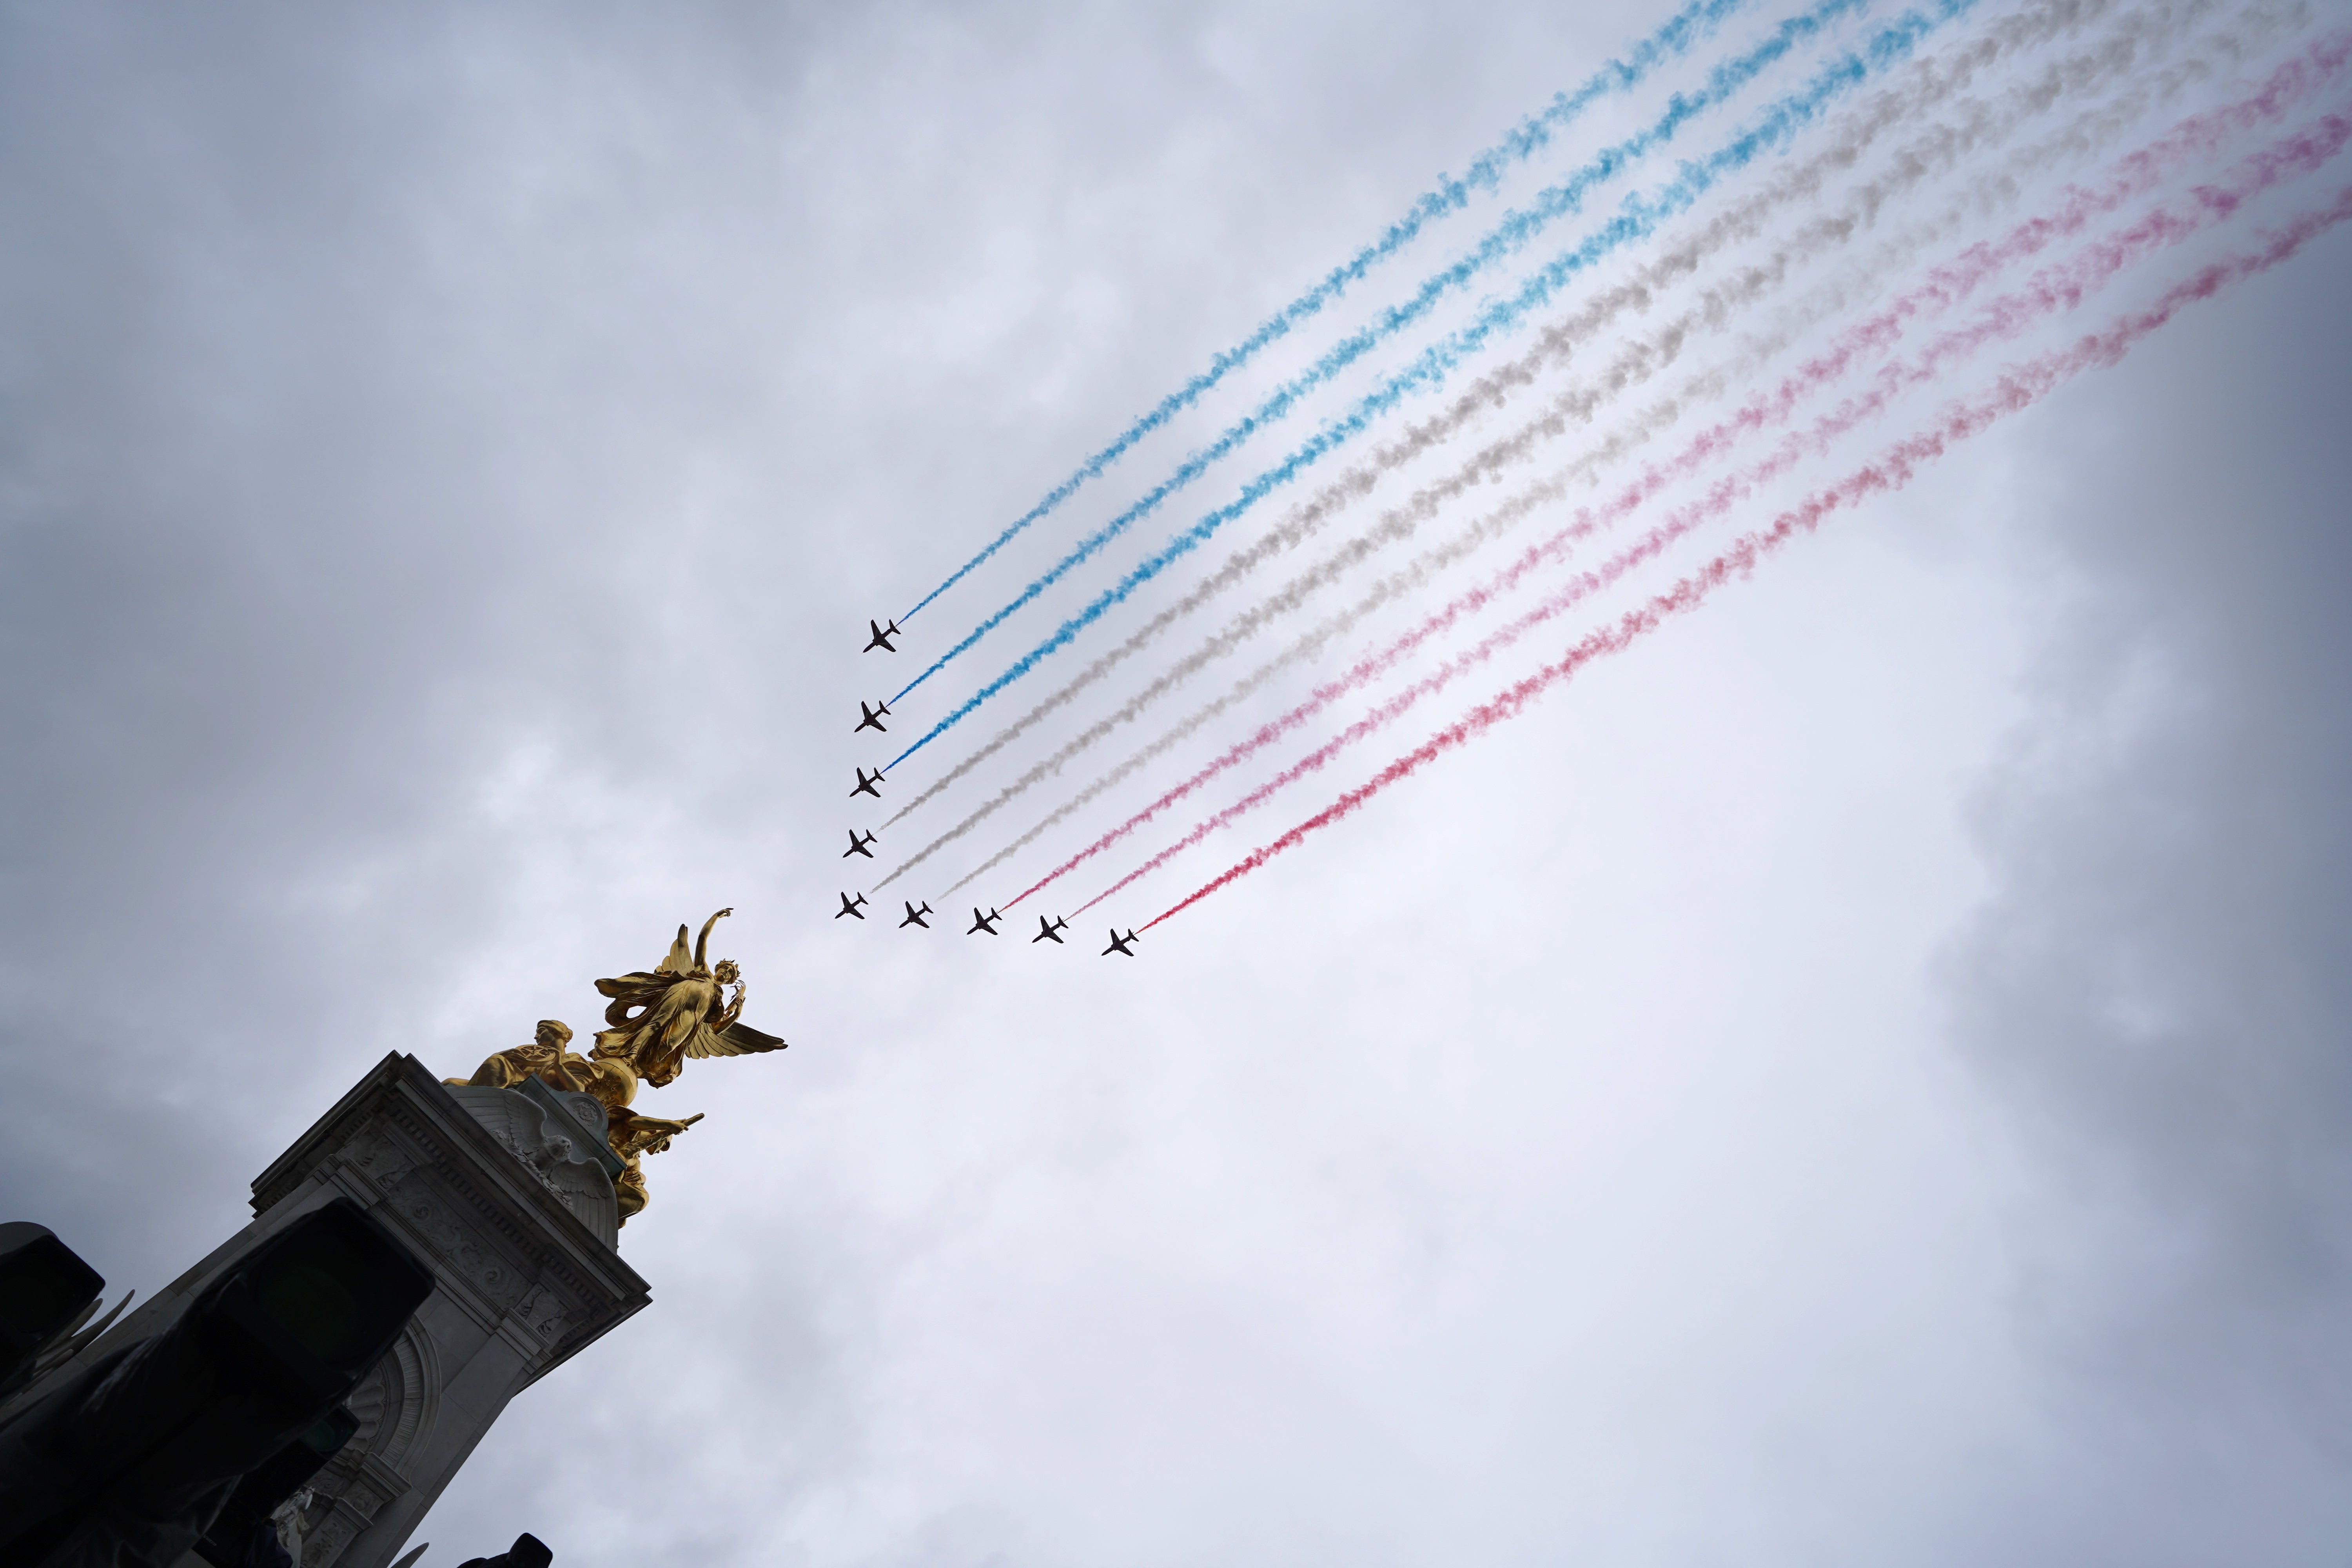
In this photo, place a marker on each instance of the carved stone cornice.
(521, 1281)
(501, 1242)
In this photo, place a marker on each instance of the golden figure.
(679, 1010)
(633, 1137)
(658, 1020)
(544, 1057)
(609, 1081)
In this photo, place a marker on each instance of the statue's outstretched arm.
(702, 943)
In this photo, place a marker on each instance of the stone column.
(507, 1196)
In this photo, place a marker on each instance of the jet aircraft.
(858, 846)
(984, 922)
(1118, 944)
(849, 907)
(865, 785)
(915, 916)
(873, 720)
(1045, 930)
(881, 638)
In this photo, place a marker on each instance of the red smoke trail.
(2202, 135)
(2048, 290)
(2066, 287)
(2019, 389)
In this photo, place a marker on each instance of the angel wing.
(734, 1040)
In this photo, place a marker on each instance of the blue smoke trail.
(1694, 21)
(1516, 229)
(1640, 218)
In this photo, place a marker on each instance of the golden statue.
(679, 1010)
(544, 1057)
(633, 1137)
(658, 1019)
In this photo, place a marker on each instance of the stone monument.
(512, 1186)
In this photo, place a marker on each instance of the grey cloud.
(2163, 979)
(443, 454)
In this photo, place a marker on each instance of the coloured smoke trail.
(1941, 155)
(1724, 83)
(1641, 217)
(1946, 286)
(1933, 149)
(2019, 389)
(1672, 40)
(2059, 289)
(1949, 285)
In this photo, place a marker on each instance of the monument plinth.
(511, 1188)
(507, 1196)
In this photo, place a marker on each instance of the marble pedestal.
(507, 1196)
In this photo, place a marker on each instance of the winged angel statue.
(679, 1010)
(658, 1020)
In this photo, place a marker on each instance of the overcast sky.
(1859, 1079)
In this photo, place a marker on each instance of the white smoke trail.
(2125, 54)
(2122, 55)
(1934, 81)
(1985, 194)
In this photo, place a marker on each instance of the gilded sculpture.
(655, 1021)
(679, 1010)
(544, 1057)
(633, 1137)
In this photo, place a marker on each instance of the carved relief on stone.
(587, 1111)
(331, 1524)
(396, 1406)
(379, 1156)
(538, 1158)
(542, 1314)
(437, 1222)
(558, 1137)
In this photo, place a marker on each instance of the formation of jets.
(870, 717)
(1048, 929)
